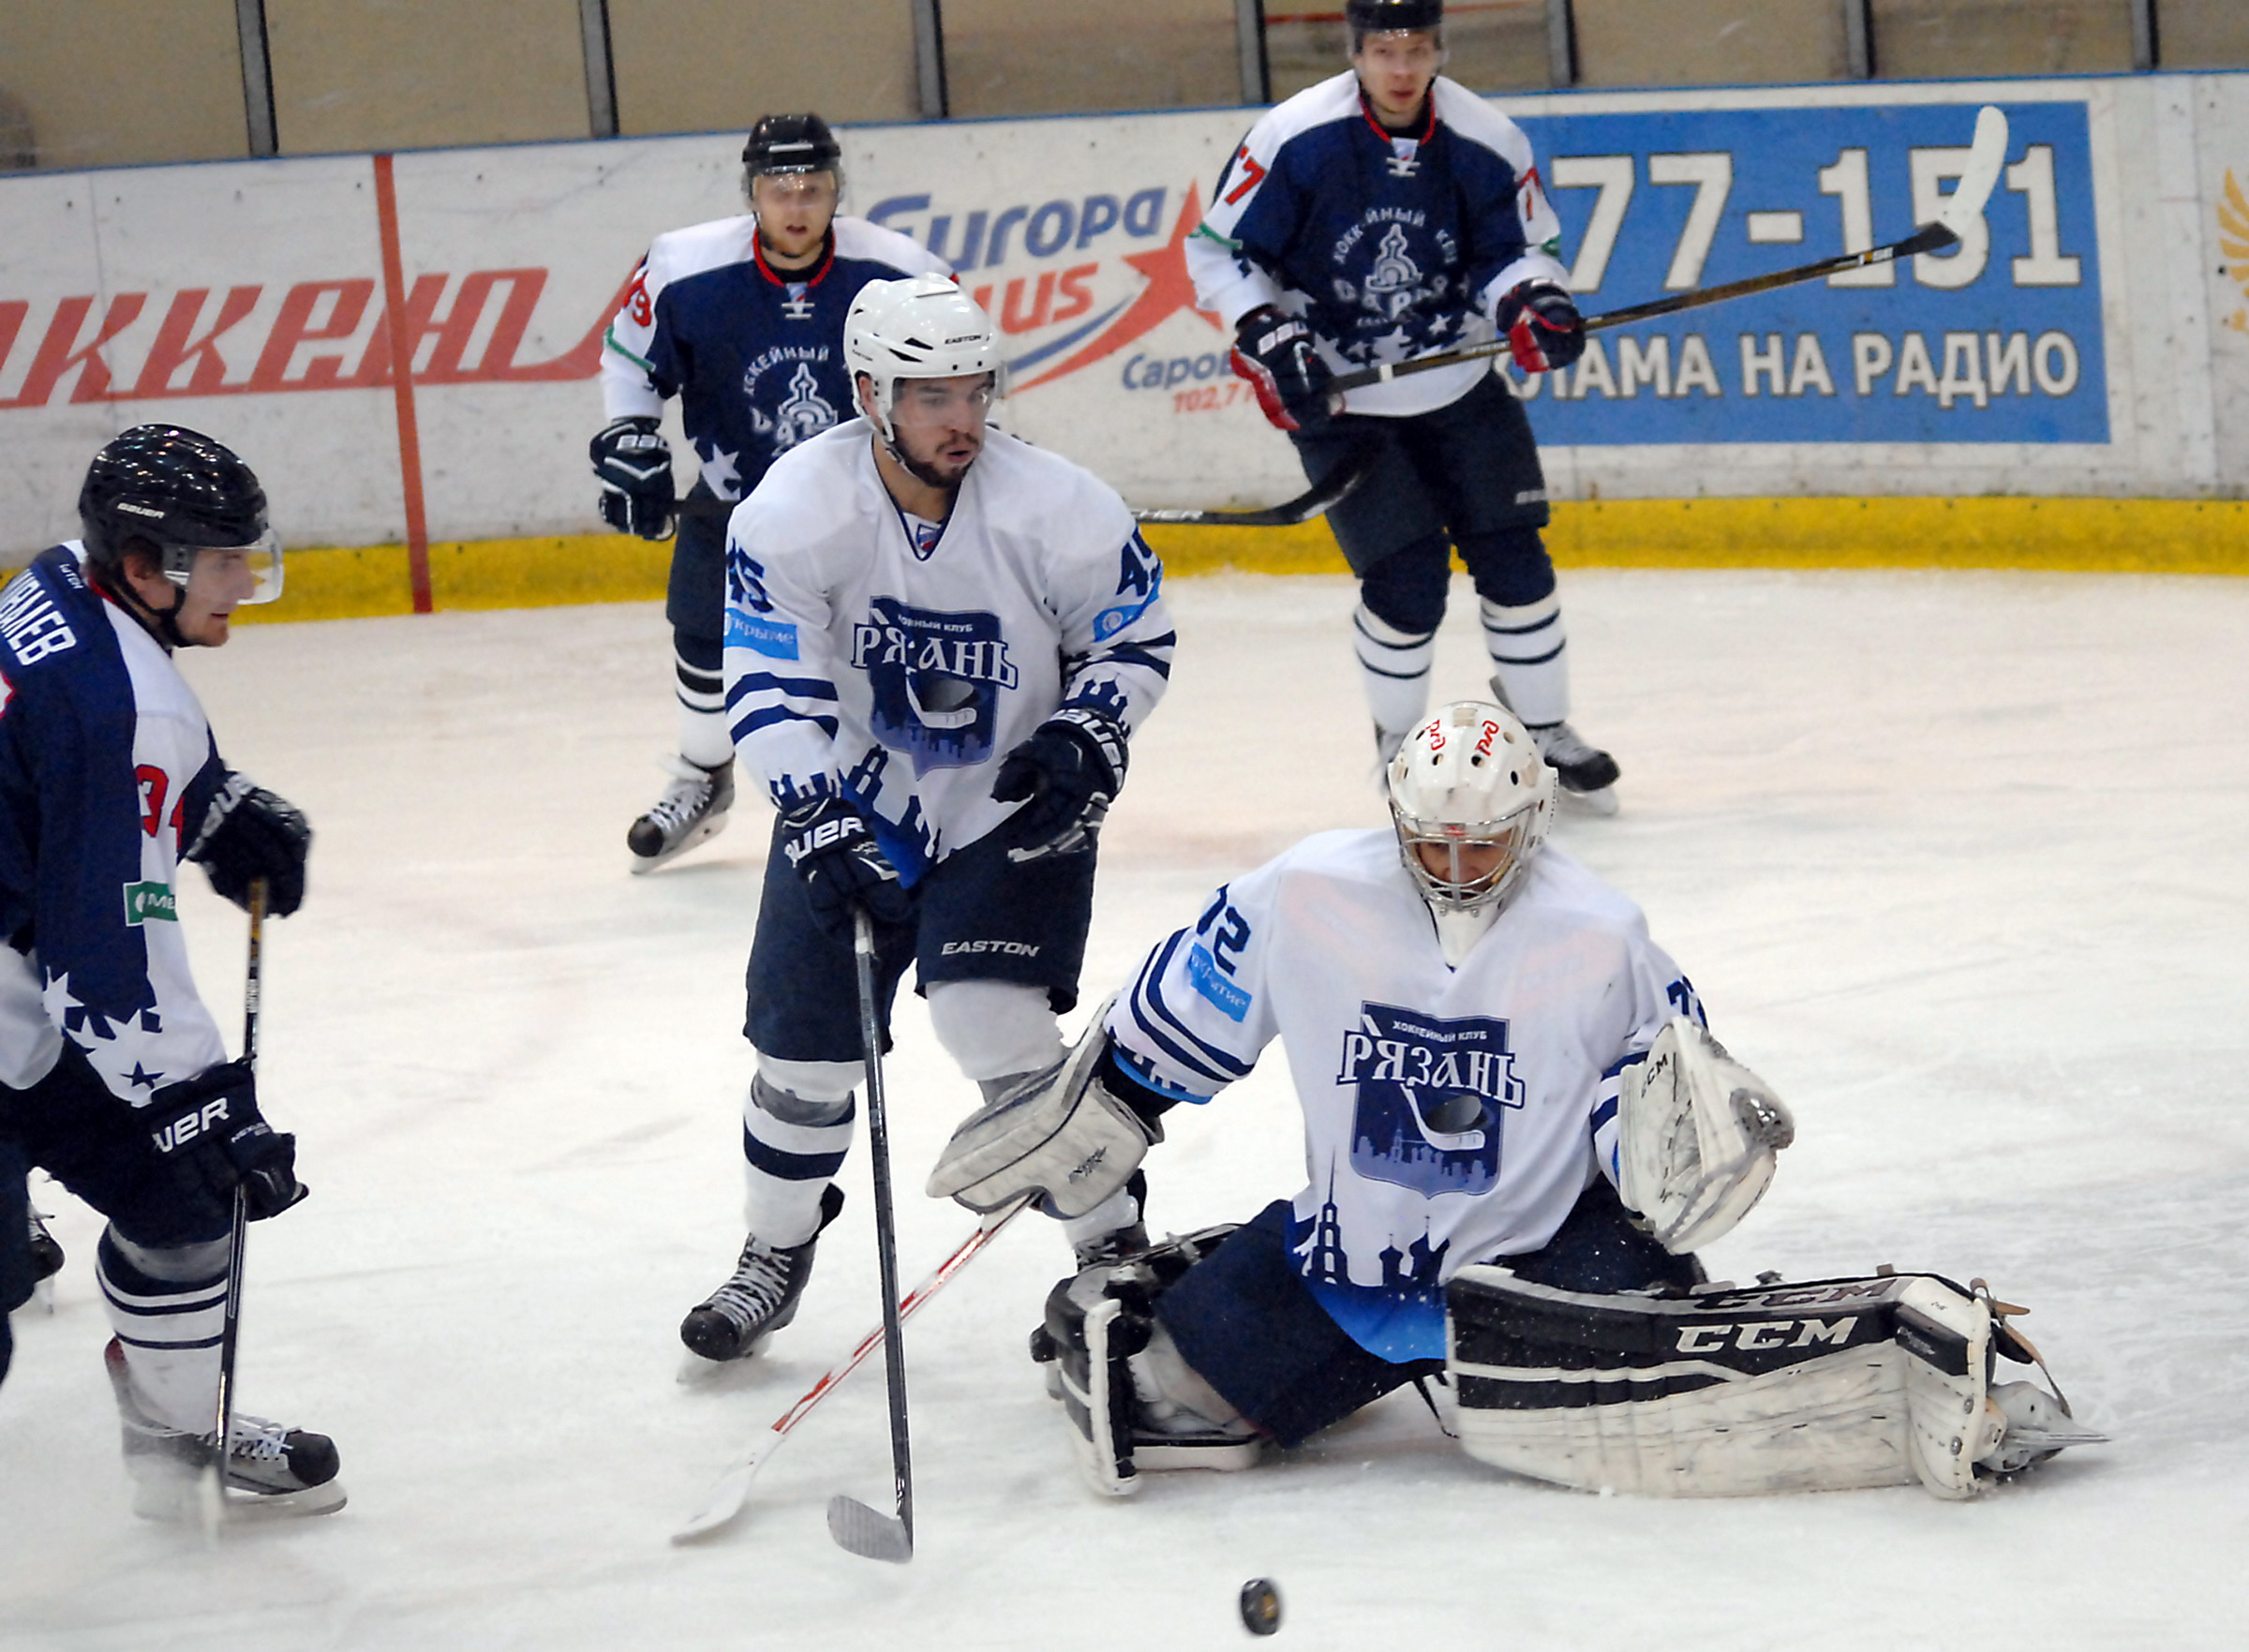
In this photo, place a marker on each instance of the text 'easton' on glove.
(209, 1130)
(250, 833)
(635, 465)
(1275, 353)
(1541, 325)
(833, 850)
(1065, 776)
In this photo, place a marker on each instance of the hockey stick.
(850, 1522)
(733, 1488)
(1987, 155)
(210, 1505)
(1317, 500)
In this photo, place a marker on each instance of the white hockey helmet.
(924, 327)
(1470, 777)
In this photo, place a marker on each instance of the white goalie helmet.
(921, 328)
(1470, 778)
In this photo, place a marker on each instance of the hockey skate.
(692, 810)
(45, 1262)
(761, 1297)
(281, 1470)
(1587, 774)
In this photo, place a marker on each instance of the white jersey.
(1451, 1116)
(899, 661)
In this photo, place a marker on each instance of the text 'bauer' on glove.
(248, 834)
(833, 848)
(634, 463)
(1543, 328)
(1064, 776)
(209, 1130)
(1276, 354)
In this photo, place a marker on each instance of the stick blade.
(1987, 155)
(868, 1532)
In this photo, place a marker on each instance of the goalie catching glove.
(1073, 1135)
(635, 465)
(1275, 353)
(1696, 1137)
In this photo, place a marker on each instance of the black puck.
(1261, 1606)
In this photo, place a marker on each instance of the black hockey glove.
(1275, 353)
(833, 849)
(209, 1130)
(1065, 776)
(1543, 327)
(250, 833)
(635, 465)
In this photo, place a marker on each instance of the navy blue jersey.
(754, 354)
(1390, 245)
(107, 777)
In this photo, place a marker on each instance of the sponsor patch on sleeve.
(776, 639)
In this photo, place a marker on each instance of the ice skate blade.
(705, 830)
(867, 1533)
(181, 1500)
(1602, 803)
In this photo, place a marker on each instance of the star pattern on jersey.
(142, 1079)
(720, 469)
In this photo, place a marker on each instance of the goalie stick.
(733, 1486)
(1987, 155)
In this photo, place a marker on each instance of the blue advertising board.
(1998, 341)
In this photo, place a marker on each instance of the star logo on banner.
(1169, 289)
(719, 469)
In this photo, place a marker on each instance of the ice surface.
(1959, 862)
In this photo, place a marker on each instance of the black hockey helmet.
(1373, 16)
(181, 492)
(791, 144)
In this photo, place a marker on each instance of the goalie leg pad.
(1132, 1401)
(1696, 1137)
(1824, 1386)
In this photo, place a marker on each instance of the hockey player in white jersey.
(1496, 1065)
(1385, 214)
(742, 319)
(939, 640)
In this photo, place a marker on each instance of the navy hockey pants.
(1243, 1318)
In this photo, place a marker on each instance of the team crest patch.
(1433, 1092)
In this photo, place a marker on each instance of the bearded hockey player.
(1385, 214)
(939, 640)
(113, 1074)
(1497, 1065)
(742, 319)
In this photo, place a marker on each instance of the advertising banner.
(2092, 335)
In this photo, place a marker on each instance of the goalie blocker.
(1826, 1386)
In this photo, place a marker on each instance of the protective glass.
(945, 401)
(231, 575)
(812, 190)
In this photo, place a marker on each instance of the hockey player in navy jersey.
(1385, 214)
(113, 1076)
(742, 319)
(1496, 1065)
(939, 641)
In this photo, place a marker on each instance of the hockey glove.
(635, 465)
(249, 834)
(1064, 776)
(833, 849)
(209, 1130)
(1543, 327)
(1275, 353)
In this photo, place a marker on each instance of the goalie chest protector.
(1820, 1386)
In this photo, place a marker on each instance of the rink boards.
(2087, 345)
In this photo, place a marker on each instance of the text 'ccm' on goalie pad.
(1826, 1386)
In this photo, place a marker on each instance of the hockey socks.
(1394, 672)
(1530, 657)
